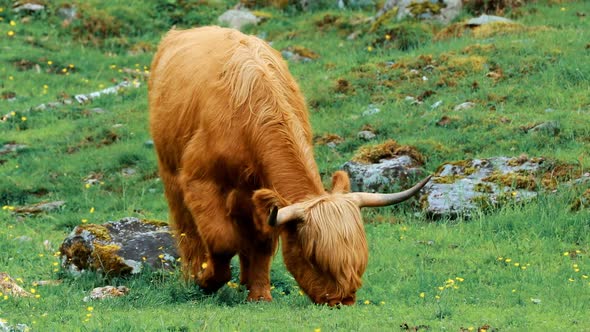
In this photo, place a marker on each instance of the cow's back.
(184, 94)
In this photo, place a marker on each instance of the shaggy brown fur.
(233, 141)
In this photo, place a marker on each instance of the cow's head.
(323, 238)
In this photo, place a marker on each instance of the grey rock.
(452, 8)
(385, 176)
(237, 19)
(366, 135)
(486, 19)
(459, 189)
(119, 247)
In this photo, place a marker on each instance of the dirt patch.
(328, 139)
(106, 138)
(343, 86)
(582, 202)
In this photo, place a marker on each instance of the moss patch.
(157, 223)
(386, 150)
(99, 231)
(105, 257)
(513, 180)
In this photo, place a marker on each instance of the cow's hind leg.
(207, 204)
(190, 246)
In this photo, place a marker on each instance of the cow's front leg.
(255, 271)
(216, 229)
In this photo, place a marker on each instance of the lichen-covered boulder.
(384, 167)
(384, 176)
(459, 188)
(119, 247)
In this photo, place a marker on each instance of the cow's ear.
(266, 202)
(340, 182)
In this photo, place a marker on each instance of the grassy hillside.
(515, 268)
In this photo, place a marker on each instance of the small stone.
(67, 13)
(371, 110)
(436, 105)
(238, 19)
(23, 238)
(10, 287)
(464, 106)
(28, 7)
(40, 207)
(366, 135)
(550, 128)
(11, 148)
(128, 171)
(106, 292)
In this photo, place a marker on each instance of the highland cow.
(234, 148)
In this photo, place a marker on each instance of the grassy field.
(515, 268)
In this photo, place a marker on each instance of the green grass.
(409, 256)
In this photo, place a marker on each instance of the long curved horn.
(286, 214)
(376, 200)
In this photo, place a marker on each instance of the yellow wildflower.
(370, 48)
(204, 265)
(49, 62)
(367, 302)
(84, 221)
(23, 119)
(422, 295)
(92, 210)
(10, 33)
(90, 308)
(12, 23)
